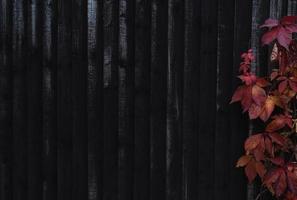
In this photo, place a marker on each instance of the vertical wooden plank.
(49, 61)
(174, 99)
(79, 100)
(126, 99)
(239, 124)
(259, 15)
(292, 7)
(95, 98)
(260, 12)
(278, 9)
(19, 101)
(111, 99)
(158, 98)
(34, 99)
(223, 94)
(142, 99)
(64, 101)
(207, 103)
(191, 99)
(6, 98)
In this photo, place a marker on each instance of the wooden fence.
(125, 100)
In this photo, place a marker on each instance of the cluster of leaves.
(272, 154)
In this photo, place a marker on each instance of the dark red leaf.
(260, 168)
(293, 85)
(287, 20)
(259, 153)
(247, 100)
(254, 111)
(252, 142)
(268, 146)
(269, 36)
(277, 138)
(273, 75)
(282, 86)
(281, 184)
(262, 82)
(250, 171)
(278, 161)
(258, 94)
(237, 96)
(292, 181)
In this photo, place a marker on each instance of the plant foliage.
(271, 154)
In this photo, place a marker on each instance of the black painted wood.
(126, 99)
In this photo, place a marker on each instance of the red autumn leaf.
(252, 167)
(281, 184)
(278, 161)
(293, 85)
(273, 75)
(247, 100)
(287, 20)
(267, 108)
(276, 181)
(252, 142)
(272, 176)
(259, 151)
(262, 82)
(270, 36)
(243, 94)
(248, 79)
(279, 122)
(277, 138)
(292, 181)
(243, 161)
(268, 147)
(237, 96)
(284, 37)
(258, 94)
(260, 168)
(290, 196)
(269, 23)
(246, 63)
(292, 82)
(282, 86)
(255, 110)
(263, 96)
(280, 30)
(250, 171)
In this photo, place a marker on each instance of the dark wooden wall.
(125, 99)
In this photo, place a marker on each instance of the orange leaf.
(258, 94)
(243, 161)
(252, 142)
(267, 108)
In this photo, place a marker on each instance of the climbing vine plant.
(271, 154)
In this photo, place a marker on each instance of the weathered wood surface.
(126, 99)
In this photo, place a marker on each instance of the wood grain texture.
(126, 99)
(64, 102)
(34, 99)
